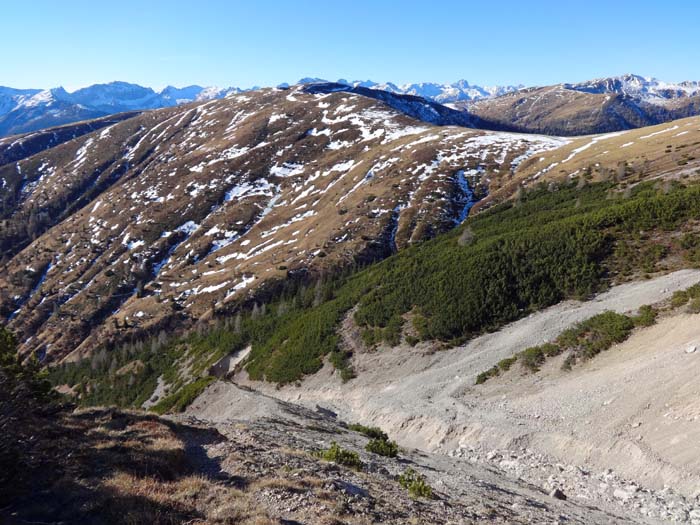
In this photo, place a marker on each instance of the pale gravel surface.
(588, 417)
(272, 435)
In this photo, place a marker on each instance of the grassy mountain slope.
(156, 221)
(550, 244)
(668, 151)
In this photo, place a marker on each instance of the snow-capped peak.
(647, 89)
(444, 93)
(46, 97)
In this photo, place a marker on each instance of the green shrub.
(336, 454)
(485, 376)
(505, 364)
(596, 334)
(550, 349)
(646, 316)
(370, 432)
(370, 337)
(694, 306)
(383, 447)
(587, 338)
(694, 291)
(184, 397)
(679, 298)
(28, 374)
(415, 484)
(690, 240)
(420, 323)
(341, 362)
(651, 255)
(392, 332)
(569, 362)
(411, 340)
(502, 366)
(532, 358)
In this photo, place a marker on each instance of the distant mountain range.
(596, 106)
(599, 105)
(23, 110)
(460, 91)
(647, 89)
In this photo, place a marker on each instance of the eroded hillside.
(269, 466)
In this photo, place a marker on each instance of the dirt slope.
(466, 493)
(105, 466)
(589, 417)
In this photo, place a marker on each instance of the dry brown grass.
(278, 483)
(630, 157)
(131, 468)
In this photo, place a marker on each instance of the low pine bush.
(383, 447)
(694, 306)
(679, 298)
(184, 397)
(411, 340)
(600, 332)
(485, 376)
(532, 358)
(505, 364)
(336, 454)
(415, 484)
(370, 432)
(646, 316)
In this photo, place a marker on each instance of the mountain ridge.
(23, 111)
(594, 106)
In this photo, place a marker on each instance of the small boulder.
(557, 494)
(691, 349)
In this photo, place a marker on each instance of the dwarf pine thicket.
(549, 245)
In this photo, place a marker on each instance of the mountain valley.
(346, 302)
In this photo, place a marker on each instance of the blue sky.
(256, 42)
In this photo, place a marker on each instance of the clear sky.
(74, 43)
